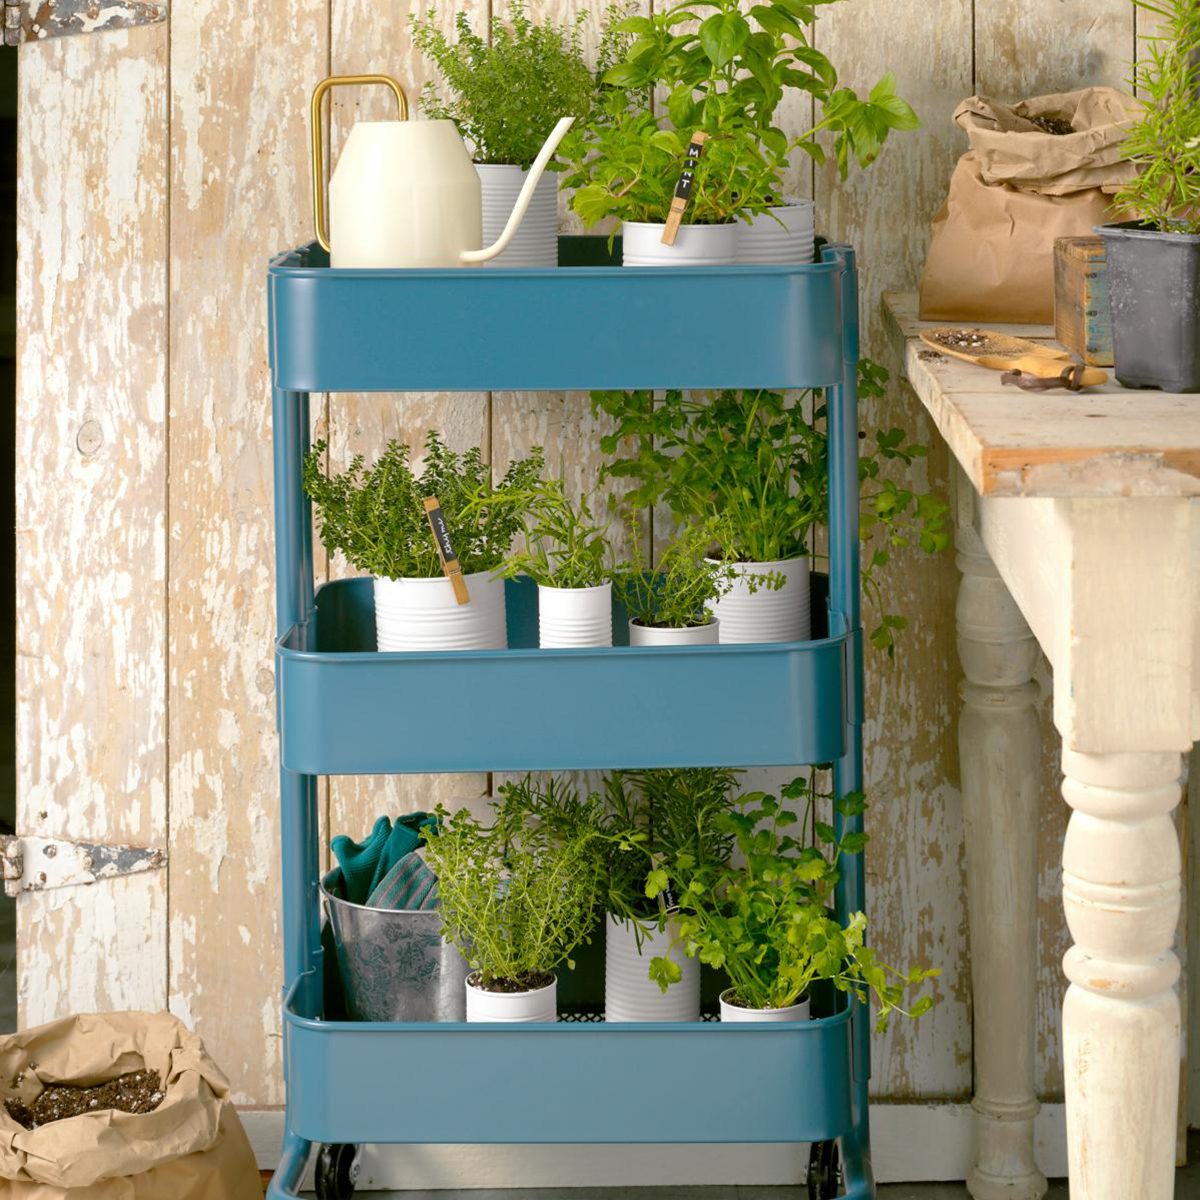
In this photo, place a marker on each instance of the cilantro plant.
(1165, 141)
(757, 462)
(766, 921)
(375, 516)
(505, 92)
(518, 896)
(565, 545)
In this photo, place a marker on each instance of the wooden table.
(1078, 530)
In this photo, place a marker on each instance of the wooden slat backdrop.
(145, 583)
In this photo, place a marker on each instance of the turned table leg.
(999, 755)
(1121, 891)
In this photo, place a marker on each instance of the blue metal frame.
(782, 327)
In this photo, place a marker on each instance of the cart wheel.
(824, 1171)
(337, 1172)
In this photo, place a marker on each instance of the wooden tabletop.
(1107, 441)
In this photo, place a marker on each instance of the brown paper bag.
(192, 1147)
(1016, 191)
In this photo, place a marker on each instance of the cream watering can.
(405, 193)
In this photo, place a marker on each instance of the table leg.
(1121, 1019)
(1000, 758)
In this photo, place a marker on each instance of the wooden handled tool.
(1003, 352)
(445, 549)
(683, 189)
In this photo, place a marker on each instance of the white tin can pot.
(629, 992)
(540, 1005)
(735, 1012)
(569, 618)
(422, 614)
(692, 635)
(535, 244)
(780, 235)
(695, 245)
(767, 615)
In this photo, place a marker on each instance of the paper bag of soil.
(1036, 171)
(191, 1147)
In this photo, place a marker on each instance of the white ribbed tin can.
(695, 246)
(629, 992)
(573, 617)
(523, 1008)
(734, 1012)
(691, 635)
(422, 614)
(535, 244)
(767, 615)
(781, 235)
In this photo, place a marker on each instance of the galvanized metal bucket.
(393, 963)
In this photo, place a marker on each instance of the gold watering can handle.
(320, 219)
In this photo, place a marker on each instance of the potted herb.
(765, 919)
(567, 554)
(673, 605)
(1154, 258)
(666, 814)
(504, 93)
(756, 461)
(376, 519)
(517, 898)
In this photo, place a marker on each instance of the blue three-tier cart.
(345, 709)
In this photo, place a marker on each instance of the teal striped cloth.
(366, 864)
(410, 884)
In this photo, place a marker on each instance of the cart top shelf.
(561, 329)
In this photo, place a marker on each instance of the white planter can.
(766, 615)
(695, 246)
(782, 235)
(629, 992)
(569, 618)
(692, 635)
(516, 1007)
(734, 1012)
(535, 244)
(422, 614)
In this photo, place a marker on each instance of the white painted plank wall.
(145, 583)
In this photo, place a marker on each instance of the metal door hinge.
(33, 864)
(35, 20)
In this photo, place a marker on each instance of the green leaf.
(657, 882)
(723, 35)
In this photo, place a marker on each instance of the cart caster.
(337, 1172)
(824, 1171)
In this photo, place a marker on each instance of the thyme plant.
(766, 921)
(1165, 141)
(506, 91)
(375, 516)
(519, 896)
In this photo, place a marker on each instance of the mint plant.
(767, 920)
(506, 91)
(1165, 141)
(375, 516)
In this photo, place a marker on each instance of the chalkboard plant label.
(1154, 258)
(376, 517)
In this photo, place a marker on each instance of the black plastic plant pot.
(1154, 290)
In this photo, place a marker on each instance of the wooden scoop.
(1002, 352)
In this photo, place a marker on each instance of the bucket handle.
(320, 217)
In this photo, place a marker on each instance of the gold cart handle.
(320, 218)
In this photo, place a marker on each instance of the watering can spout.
(531, 181)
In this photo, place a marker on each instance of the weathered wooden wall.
(150, 201)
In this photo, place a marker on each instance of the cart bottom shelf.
(568, 1082)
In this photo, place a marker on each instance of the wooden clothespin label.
(445, 549)
(683, 189)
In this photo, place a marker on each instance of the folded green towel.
(365, 864)
(410, 884)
